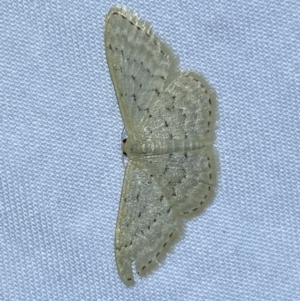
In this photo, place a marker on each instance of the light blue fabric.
(61, 164)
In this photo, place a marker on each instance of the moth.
(169, 117)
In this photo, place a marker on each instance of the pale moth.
(169, 116)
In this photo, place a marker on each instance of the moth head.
(130, 147)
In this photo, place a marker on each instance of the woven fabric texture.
(61, 167)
